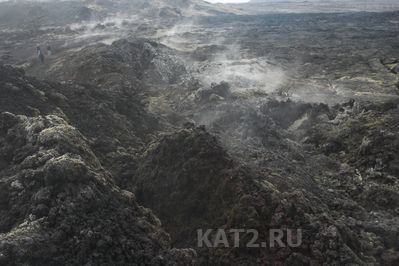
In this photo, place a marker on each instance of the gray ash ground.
(142, 128)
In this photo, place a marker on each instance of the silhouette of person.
(40, 55)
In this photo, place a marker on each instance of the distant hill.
(31, 13)
(317, 6)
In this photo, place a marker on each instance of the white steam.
(233, 65)
(243, 74)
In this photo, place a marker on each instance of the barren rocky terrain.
(153, 119)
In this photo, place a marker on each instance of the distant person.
(40, 55)
(49, 51)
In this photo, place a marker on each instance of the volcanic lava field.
(152, 120)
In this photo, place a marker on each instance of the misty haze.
(190, 132)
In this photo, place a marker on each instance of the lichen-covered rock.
(58, 206)
(113, 120)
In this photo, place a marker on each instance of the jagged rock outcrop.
(89, 108)
(81, 153)
(192, 183)
(124, 63)
(59, 206)
(194, 173)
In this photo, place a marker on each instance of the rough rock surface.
(201, 186)
(113, 125)
(124, 63)
(88, 108)
(60, 184)
(59, 206)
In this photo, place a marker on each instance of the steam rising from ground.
(228, 62)
(178, 36)
(106, 30)
(231, 65)
(243, 74)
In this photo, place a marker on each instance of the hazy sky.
(227, 1)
